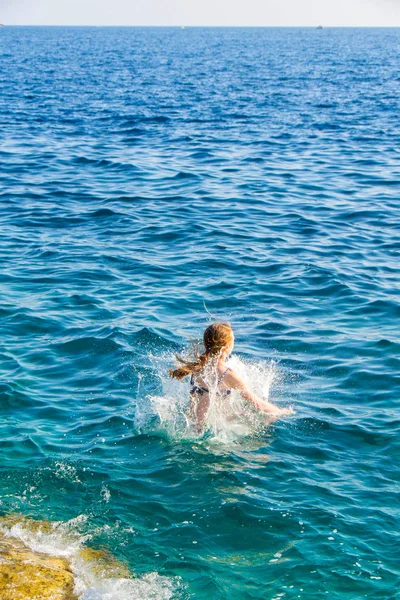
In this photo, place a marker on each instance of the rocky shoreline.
(27, 574)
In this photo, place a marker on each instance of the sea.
(153, 181)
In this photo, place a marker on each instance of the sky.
(352, 13)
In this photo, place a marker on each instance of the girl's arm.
(233, 380)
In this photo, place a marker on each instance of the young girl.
(218, 342)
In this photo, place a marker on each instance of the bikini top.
(196, 389)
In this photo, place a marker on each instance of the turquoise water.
(148, 175)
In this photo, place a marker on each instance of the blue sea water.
(150, 177)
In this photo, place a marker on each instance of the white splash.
(151, 586)
(229, 418)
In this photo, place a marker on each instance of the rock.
(25, 574)
(103, 563)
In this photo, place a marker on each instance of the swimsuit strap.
(223, 393)
(196, 389)
(222, 376)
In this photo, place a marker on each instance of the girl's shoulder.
(233, 378)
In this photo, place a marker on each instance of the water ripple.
(145, 172)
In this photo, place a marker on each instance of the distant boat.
(182, 27)
(319, 27)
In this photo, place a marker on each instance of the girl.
(218, 342)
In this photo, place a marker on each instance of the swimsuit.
(196, 389)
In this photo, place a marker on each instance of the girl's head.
(218, 339)
(218, 342)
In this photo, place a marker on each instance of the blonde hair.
(215, 339)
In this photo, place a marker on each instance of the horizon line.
(180, 26)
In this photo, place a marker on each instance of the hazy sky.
(201, 12)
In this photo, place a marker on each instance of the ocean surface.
(154, 180)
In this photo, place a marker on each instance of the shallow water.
(146, 172)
